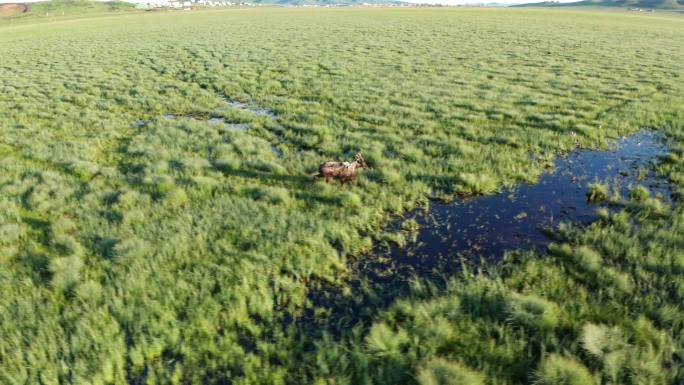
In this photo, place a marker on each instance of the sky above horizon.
(446, 2)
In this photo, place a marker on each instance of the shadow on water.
(484, 228)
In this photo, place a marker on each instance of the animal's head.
(359, 160)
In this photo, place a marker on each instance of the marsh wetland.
(527, 215)
(158, 224)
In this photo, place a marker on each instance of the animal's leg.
(353, 180)
(327, 179)
(315, 178)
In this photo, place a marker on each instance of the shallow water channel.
(486, 227)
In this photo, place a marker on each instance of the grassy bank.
(175, 251)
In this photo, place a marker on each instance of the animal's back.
(329, 167)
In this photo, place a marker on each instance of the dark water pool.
(486, 227)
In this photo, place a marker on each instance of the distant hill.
(61, 7)
(52, 8)
(675, 5)
(323, 2)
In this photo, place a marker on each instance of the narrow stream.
(484, 228)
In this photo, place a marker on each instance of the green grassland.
(70, 8)
(180, 252)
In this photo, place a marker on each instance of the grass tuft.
(558, 370)
(66, 271)
(532, 311)
(639, 194)
(439, 371)
(597, 192)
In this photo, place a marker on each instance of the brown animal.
(343, 171)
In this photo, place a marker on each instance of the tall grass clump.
(382, 341)
(131, 248)
(439, 371)
(176, 197)
(639, 194)
(600, 340)
(558, 370)
(597, 192)
(588, 259)
(477, 184)
(66, 271)
(10, 233)
(350, 200)
(532, 311)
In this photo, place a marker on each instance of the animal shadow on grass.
(40, 226)
(439, 181)
(264, 176)
(300, 185)
(38, 263)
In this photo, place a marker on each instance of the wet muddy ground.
(220, 121)
(214, 120)
(251, 107)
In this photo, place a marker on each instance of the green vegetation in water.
(180, 251)
(597, 192)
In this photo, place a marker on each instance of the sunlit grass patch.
(443, 372)
(559, 370)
